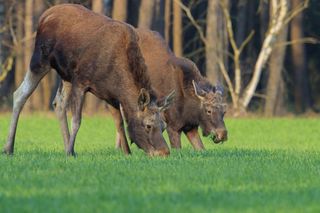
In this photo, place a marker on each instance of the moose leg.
(20, 97)
(121, 135)
(195, 139)
(175, 138)
(77, 96)
(60, 104)
(118, 141)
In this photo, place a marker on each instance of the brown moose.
(98, 55)
(197, 102)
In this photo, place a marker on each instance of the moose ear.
(219, 89)
(143, 99)
(200, 93)
(168, 100)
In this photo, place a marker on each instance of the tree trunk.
(97, 6)
(6, 60)
(146, 13)
(275, 80)
(119, 11)
(35, 99)
(241, 29)
(19, 64)
(213, 45)
(224, 35)
(280, 99)
(2, 17)
(177, 29)
(167, 20)
(301, 94)
(158, 14)
(277, 22)
(264, 17)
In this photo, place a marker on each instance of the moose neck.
(130, 104)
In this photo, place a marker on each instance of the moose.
(102, 56)
(197, 102)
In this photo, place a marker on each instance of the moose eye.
(209, 112)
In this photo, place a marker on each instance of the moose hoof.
(71, 154)
(176, 146)
(7, 151)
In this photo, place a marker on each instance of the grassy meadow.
(267, 165)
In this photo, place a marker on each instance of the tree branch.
(193, 21)
(296, 11)
(306, 40)
(236, 51)
(228, 81)
(277, 22)
(246, 41)
(6, 67)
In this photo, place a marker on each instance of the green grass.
(267, 165)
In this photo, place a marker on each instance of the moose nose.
(222, 134)
(160, 152)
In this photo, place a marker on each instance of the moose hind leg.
(77, 98)
(20, 97)
(60, 104)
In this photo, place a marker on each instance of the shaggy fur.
(93, 53)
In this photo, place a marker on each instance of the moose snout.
(221, 135)
(160, 152)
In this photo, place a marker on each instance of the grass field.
(267, 165)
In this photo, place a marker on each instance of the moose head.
(146, 128)
(212, 111)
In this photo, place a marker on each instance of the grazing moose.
(96, 54)
(197, 102)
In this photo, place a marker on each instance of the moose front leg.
(118, 141)
(76, 108)
(175, 138)
(195, 139)
(121, 140)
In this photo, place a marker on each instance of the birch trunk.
(167, 20)
(177, 29)
(119, 10)
(213, 46)
(146, 13)
(277, 22)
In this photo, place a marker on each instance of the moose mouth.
(215, 139)
(213, 136)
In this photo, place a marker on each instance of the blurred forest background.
(265, 52)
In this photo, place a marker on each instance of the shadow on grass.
(183, 154)
(114, 199)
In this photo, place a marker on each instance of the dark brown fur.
(189, 110)
(168, 72)
(97, 54)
